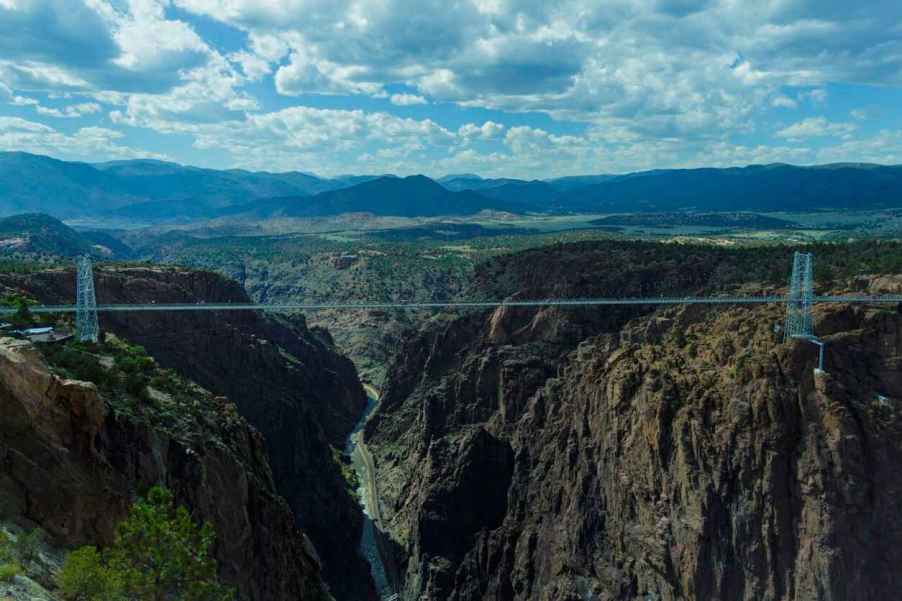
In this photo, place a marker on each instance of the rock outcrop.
(72, 466)
(287, 380)
(685, 453)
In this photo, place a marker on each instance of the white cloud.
(308, 74)
(885, 148)
(7, 95)
(816, 127)
(208, 94)
(786, 102)
(252, 65)
(98, 142)
(97, 44)
(406, 99)
(672, 67)
(486, 131)
(648, 82)
(322, 140)
(148, 42)
(70, 112)
(13, 124)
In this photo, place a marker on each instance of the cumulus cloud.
(102, 143)
(148, 42)
(72, 111)
(885, 147)
(816, 127)
(578, 58)
(406, 99)
(91, 44)
(17, 124)
(322, 140)
(486, 131)
(785, 102)
(307, 74)
(7, 95)
(59, 32)
(646, 82)
(252, 65)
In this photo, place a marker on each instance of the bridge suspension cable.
(482, 304)
(798, 302)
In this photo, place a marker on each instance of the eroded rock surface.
(71, 466)
(286, 379)
(615, 454)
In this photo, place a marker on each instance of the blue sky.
(521, 88)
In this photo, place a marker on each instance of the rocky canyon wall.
(684, 453)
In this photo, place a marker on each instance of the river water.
(368, 538)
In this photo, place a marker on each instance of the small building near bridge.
(43, 334)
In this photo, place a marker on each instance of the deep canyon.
(611, 453)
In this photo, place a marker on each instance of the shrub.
(84, 577)
(77, 363)
(6, 551)
(8, 571)
(135, 364)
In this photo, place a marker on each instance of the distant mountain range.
(757, 187)
(413, 196)
(144, 190)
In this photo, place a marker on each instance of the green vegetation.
(8, 571)
(75, 361)
(22, 305)
(16, 554)
(84, 577)
(159, 553)
(347, 471)
(9, 567)
(739, 220)
(24, 265)
(136, 389)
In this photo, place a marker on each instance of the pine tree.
(159, 554)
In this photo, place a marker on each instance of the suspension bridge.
(482, 304)
(798, 324)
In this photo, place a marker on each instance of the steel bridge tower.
(86, 327)
(799, 321)
(798, 303)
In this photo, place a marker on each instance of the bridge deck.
(482, 304)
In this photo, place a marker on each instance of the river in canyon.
(368, 493)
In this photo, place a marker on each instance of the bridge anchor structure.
(799, 321)
(86, 326)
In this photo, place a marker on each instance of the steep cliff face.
(685, 453)
(288, 381)
(73, 466)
